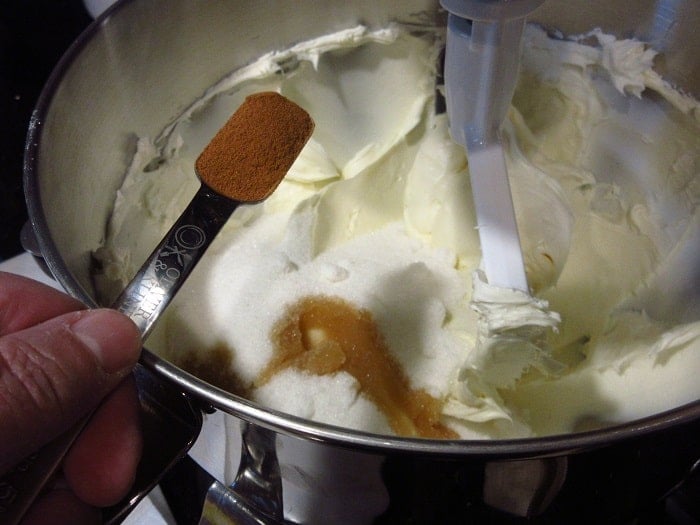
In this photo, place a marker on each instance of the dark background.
(34, 34)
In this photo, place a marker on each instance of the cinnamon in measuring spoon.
(324, 335)
(250, 155)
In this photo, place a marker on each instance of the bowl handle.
(163, 406)
(195, 497)
(171, 421)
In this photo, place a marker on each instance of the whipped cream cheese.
(603, 157)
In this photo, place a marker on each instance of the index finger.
(25, 303)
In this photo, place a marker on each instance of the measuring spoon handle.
(167, 268)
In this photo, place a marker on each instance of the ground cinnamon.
(252, 152)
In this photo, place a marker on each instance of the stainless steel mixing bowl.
(134, 70)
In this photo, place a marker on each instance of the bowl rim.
(206, 396)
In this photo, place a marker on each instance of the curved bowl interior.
(137, 67)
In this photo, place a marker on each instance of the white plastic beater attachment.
(481, 66)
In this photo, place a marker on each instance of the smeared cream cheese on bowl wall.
(371, 239)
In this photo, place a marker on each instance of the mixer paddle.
(481, 67)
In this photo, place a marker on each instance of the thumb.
(55, 372)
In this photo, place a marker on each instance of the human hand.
(59, 361)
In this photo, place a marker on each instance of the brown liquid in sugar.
(324, 335)
(213, 366)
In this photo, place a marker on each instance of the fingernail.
(111, 337)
